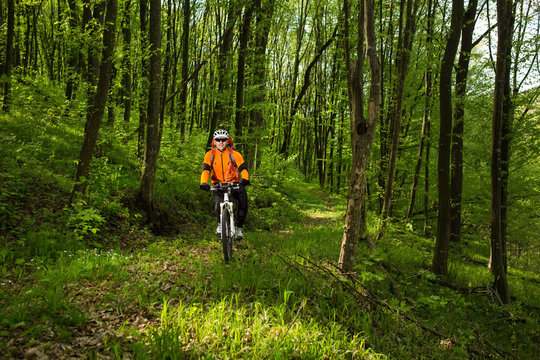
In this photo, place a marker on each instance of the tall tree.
(442, 244)
(125, 93)
(73, 49)
(244, 35)
(264, 12)
(405, 41)
(505, 16)
(291, 110)
(145, 195)
(185, 65)
(96, 107)
(221, 110)
(362, 130)
(143, 79)
(8, 60)
(456, 181)
(427, 109)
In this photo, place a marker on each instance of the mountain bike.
(228, 229)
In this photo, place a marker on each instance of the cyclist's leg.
(218, 199)
(241, 196)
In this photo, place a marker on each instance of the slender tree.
(8, 60)
(126, 91)
(73, 49)
(501, 90)
(96, 107)
(264, 11)
(403, 58)
(143, 79)
(145, 195)
(185, 65)
(244, 35)
(362, 131)
(220, 112)
(456, 181)
(442, 244)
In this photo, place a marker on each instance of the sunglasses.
(220, 140)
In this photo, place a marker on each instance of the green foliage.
(83, 220)
(62, 272)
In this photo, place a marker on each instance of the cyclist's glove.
(205, 187)
(244, 182)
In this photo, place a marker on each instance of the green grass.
(95, 280)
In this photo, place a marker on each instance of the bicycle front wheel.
(226, 236)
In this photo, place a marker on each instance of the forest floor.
(106, 303)
(173, 297)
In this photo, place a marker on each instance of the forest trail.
(109, 313)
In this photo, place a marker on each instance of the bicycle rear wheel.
(226, 236)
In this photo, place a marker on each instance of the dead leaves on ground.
(112, 311)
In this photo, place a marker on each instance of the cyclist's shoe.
(218, 230)
(239, 234)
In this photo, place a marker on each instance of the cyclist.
(226, 165)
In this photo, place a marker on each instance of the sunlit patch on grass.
(256, 330)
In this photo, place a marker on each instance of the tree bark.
(402, 63)
(8, 61)
(185, 66)
(126, 62)
(362, 133)
(498, 241)
(145, 195)
(143, 101)
(221, 110)
(288, 120)
(241, 73)
(427, 109)
(442, 244)
(73, 50)
(97, 106)
(456, 181)
(264, 11)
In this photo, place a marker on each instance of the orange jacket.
(222, 169)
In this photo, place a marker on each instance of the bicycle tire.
(226, 238)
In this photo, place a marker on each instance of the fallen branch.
(374, 300)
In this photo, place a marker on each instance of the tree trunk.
(402, 63)
(221, 110)
(166, 68)
(145, 195)
(8, 61)
(93, 49)
(442, 244)
(456, 181)
(73, 50)
(289, 117)
(182, 119)
(143, 100)
(126, 62)
(427, 109)
(498, 242)
(263, 19)
(97, 106)
(362, 133)
(241, 73)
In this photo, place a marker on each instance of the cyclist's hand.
(244, 182)
(205, 187)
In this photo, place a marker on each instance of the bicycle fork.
(226, 204)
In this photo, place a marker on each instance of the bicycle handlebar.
(225, 187)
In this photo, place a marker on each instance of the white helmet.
(220, 133)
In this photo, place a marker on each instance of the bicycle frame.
(228, 229)
(227, 204)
